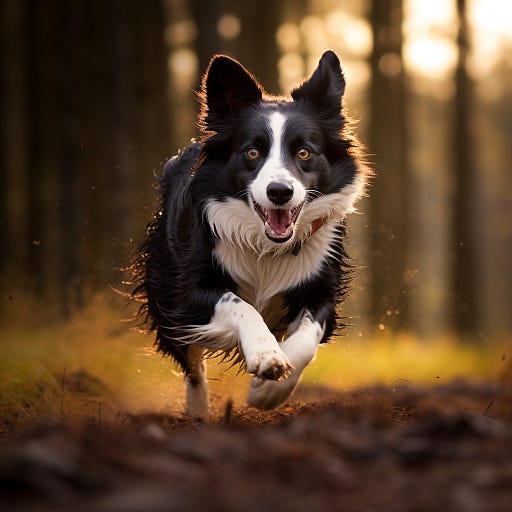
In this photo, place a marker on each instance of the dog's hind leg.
(196, 384)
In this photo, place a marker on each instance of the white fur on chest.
(261, 277)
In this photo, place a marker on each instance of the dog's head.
(288, 161)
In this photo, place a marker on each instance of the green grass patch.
(95, 367)
(387, 359)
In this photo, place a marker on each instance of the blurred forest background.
(96, 95)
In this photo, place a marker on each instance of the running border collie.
(245, 256)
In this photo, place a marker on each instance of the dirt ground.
(399, 448)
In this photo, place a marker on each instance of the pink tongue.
(279, 220)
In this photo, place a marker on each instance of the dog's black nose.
(279, 193)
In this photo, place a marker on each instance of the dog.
(245, 256)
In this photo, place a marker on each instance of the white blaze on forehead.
(277, 122)
(274, 169)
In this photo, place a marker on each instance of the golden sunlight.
(352, 33)
(429, 32)
(491, 24)
(288, 37)
(301, 45)
(183, 66)
(430, 29)
(291, 70)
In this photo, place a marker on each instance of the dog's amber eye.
(252, 153)
(303, 153)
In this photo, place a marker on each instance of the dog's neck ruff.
(234, 221)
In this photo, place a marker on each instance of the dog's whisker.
(242, 194)
(313, 194)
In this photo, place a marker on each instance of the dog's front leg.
(239, 321)
(300, 348)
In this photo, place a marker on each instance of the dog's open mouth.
(279, 222)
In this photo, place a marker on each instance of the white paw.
(267, 394)
(269, 364)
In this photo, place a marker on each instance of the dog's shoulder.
(181, 167)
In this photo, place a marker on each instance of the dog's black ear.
(325, 87)
(226, 88)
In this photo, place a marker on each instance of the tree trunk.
(14, 136)
(71, 192)
(4, 169)
(152, 133)
(208, 41)
(122, 168)
(388, 204)
(258, 45)
(465, 309)
(255, 47)
(42, 140)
